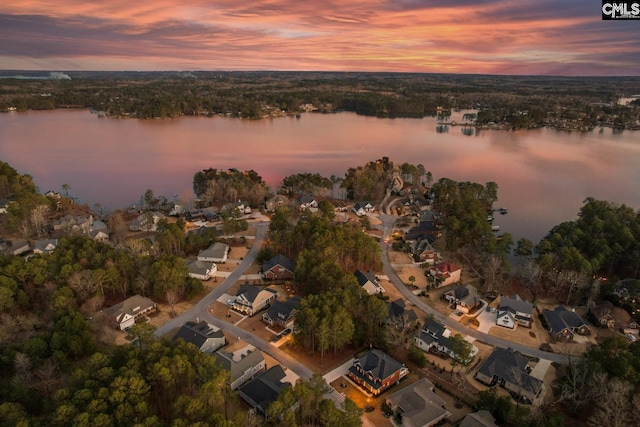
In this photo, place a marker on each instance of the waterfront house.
(126, 313)
(218, 253)
(514, 311)
(242, 360)
(278, 268)
(564, 323)
(147, 221)
(463, 298)
(417, 405)
(206, 337)
(202, 270)
(252, 299)
(376, 371)
(444, 274)
(509, 369)
(369, 282)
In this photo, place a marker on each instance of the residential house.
(252, 299)
(424, 253)
(445, 274)
(425, 230)
(463, 298)
(434, 338)
(45, 246)
(482, 418)
(236, 208)
(514, 311)
(14, 247)
(603, 312)
(265, 389)
(376, 371)
(124, 314)
(147, 221)
(242, 360)
(82, 224)
(306, 201)
(282, 313)
(278, 268)
(64, 223)
(363, 208)
(563, 323)
(417, 405)
(218, 253)
(4, 205)
(99, 235)
(509, 369)
(206, 337)
(340, 205)
(277, 201)
(369, 282)
(399, 316)
(202, 270)
(628, 289)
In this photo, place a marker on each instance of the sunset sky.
(561, 37)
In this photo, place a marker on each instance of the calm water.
(543, 175)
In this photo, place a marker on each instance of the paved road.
(387, 227)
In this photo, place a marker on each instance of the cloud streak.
(496, 37)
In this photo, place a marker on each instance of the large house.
(363, 208)
(514, 311)
(14, 247)
(278, 268)
(146, 222)
(218, 253)
(603, 312)
(509, 369)
(417, 405)
(45, 246)
(463, 298)
(281, 313)
(369, 282)
(242, 360)
(563, 323)
(251, 299)
(445, 274)
(306, 201)
(206, 337)
(124, 314)
(434, 338)
(399, 316)
(265, 389)
(203, 270)
(376, 371)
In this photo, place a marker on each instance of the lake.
(543, 174)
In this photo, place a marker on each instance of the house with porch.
(202, 270)
(563, 324)
(510, 370)
(444, 274)
(603, 312)
(376, 371)
(434, 338)
(206, 337)
(281, 313)
(513, 311)
(417, 405)
(252, 299)
(217, 252)
(369, 282)
(125, 314)
(463, 298)
(278, 268)
(242, 360)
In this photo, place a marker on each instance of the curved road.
(387, 227)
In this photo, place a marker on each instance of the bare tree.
(39, 218)
(492, 268)
(22, 364)
(117, 227)
(612, 407)
(47, 377)
(173, 296)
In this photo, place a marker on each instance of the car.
(286, 332)
(631, 337)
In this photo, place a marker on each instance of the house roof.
(4, 202)
(509, 364)
(305, 199)
(445, 267)
(282, 310)
(514, 304)
(397, 309)
(279, 260)
(265, 388)
(131, 306)
(369, 276)
(481, 418)
(45, 245)
(200, 267)
(217, 250)
(425, 229)
(379, 363)
(250, 292)
(560, 319)
(198, 333)
(602, 308)
(465, 293)
(239, 361)
(419, 404)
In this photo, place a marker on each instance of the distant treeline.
(514, 101)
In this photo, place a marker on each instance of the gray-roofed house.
(99, 235)
(251, 299)
(399, 316)
(514, 311)
(434, 338)
(4, 205)
(218, 253)
(206, 337)
(125, 314)
(369, 282)
(509, 369)
(482, 418)
(281, 313)
(417, 405)
(45, 246)
(202, 270)
(263, 390)
(363, 208)
(14, 247)
(242, 360)
(306, 201)
(146, 222)
(376, 371)
(563, 323)
(463, 298)
(603, 312)
(278, 268)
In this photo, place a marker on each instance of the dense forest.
(511, 101)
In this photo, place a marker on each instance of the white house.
(202, 270)
(146, 222)
(125, 314)
(218, 252)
